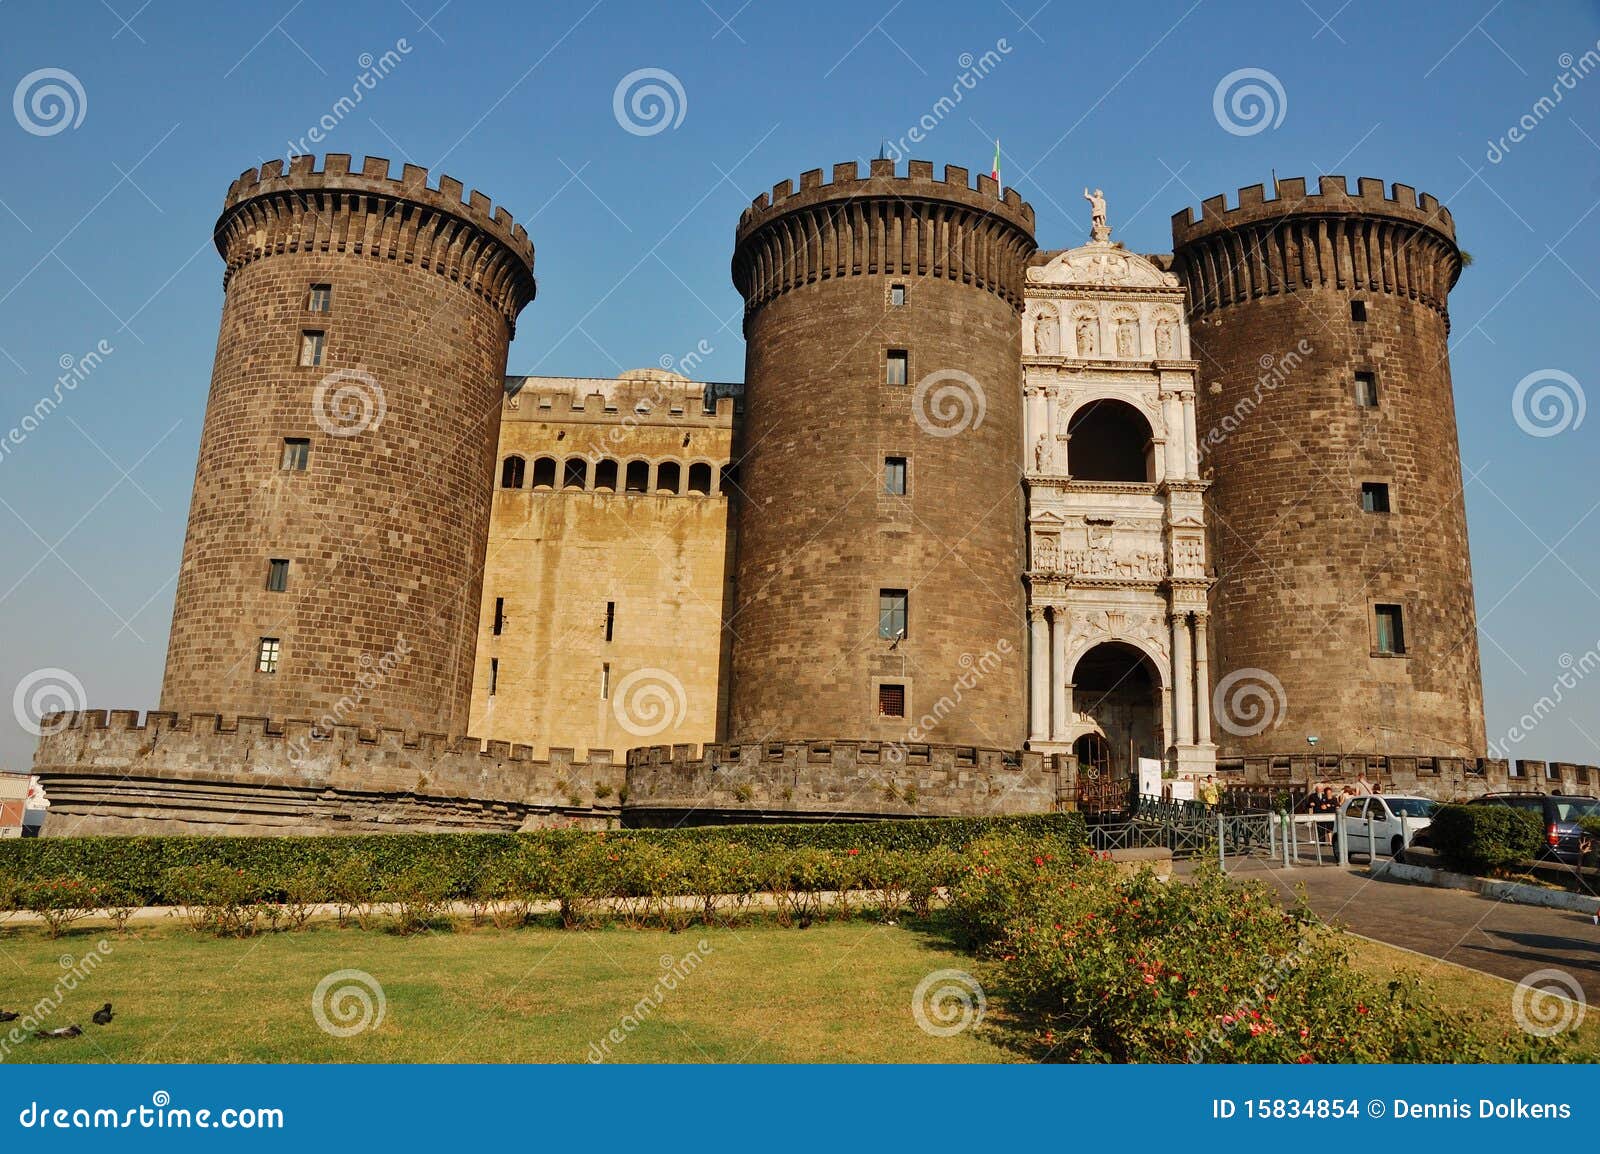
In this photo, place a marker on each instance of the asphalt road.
(1510, 941)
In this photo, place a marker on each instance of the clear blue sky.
(105, 228)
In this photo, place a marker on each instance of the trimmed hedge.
(141, 865)
(1480, 839)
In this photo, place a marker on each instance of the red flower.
(1304, 1059)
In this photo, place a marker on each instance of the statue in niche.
(1085, 337)
(1127, 339)
(1046, 334)
(1164, 339)
(1039, 451)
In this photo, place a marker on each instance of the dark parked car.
(1559, 813)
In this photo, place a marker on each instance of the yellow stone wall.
(558, 555)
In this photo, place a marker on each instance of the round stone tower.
(336, 537)
(881, 522)
(1343, 607)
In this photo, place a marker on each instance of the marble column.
(1058, 675)
(1176, 453)
(1191, 465)
(1049, 432)
(1182, 681)
(1039, 674)
(1202, 682)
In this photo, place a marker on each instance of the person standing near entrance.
(1209, 793)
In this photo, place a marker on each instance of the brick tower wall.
(1300, 566)
(818, 535)
(386, 527)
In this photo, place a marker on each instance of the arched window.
(729, 482)
(605, 475)
(576, 474)
(638, 480)
(1111, 441)
(700, 478)
(544, 473)
(667, 477)
(511, 473)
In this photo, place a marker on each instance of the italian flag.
(994, 172)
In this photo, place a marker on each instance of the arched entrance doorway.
(1117, 688)
(1110, 441)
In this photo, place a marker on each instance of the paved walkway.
(1510, 941)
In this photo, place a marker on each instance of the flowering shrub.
(217, 898)
(59, 901)
(1139, 970)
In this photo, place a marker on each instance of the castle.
(983, 526)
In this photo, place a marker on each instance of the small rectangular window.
(891, 701)
(277, 575)
(1367, 390)
(611, 618)
(1358, 311)
(320, 299)
(311, 345)
(897, 295)
(494, 675)
(1374, 497)
(605, 681)
(1391, 629)
(499, 615)
(894, 476)
(897, 367)
(296, 452)
(267, 655)
(892, 614)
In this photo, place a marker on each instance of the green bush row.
(1480, 839)
(1101, 967)
(145, 866)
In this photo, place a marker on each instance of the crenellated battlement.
(664, 399)
(1331, 198)
(109, 772)
(370, 213)
(835, 780)
(913, 225)
(882, 180)
(1366, 242)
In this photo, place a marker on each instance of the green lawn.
(837, 992)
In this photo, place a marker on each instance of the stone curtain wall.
(199, 774)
